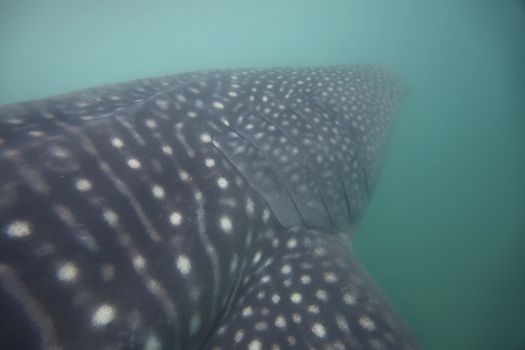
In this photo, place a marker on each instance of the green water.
(445, 233)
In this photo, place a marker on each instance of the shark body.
(209, 210)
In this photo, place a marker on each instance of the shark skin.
(208, 210)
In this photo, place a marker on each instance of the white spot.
(234, 263)
(266, 215)
(222, 182)
(176, 218)
(276, 298)
(265, 279)
(163, 104)
(195, 323)
(255, 345)
(247, 311)
(34, 133)
(139, 262)
(218, 105)
(83, 185)
(167, 149)
(250, 206)
(296, 298)
(296, 317)
(257, 257)
(238, 336)
(133, 163)
(321, 295)
(184, 264)
(103, 315)
(292, 243)
(320, 251)
(280, 322)
(330, 277)
(367, 323)
(152, 343)
(181, 98)
(291, 341)
(59, 152)
(205, 137)
(226, 224)
(192, 114)
(261, 326)
(108, 272)
(319, 330)
(18, 229)
(150, 123)
(209, 162)
(158, 191)
(305, 279)
(313, 309)
(110, 217)
(82, 104)
(184, 176)
(67, 272)
(221, 330)
(349, 299)
(117, 143)
(342, 323)
(286, 269)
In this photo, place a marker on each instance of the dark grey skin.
(209, 210)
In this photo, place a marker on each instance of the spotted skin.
(208, 210)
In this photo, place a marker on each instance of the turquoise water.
(445, 232)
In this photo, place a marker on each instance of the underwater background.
(444, 235)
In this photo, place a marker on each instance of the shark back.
(185, 212)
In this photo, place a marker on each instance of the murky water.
(444, 235)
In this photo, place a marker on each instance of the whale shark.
(205, 210)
